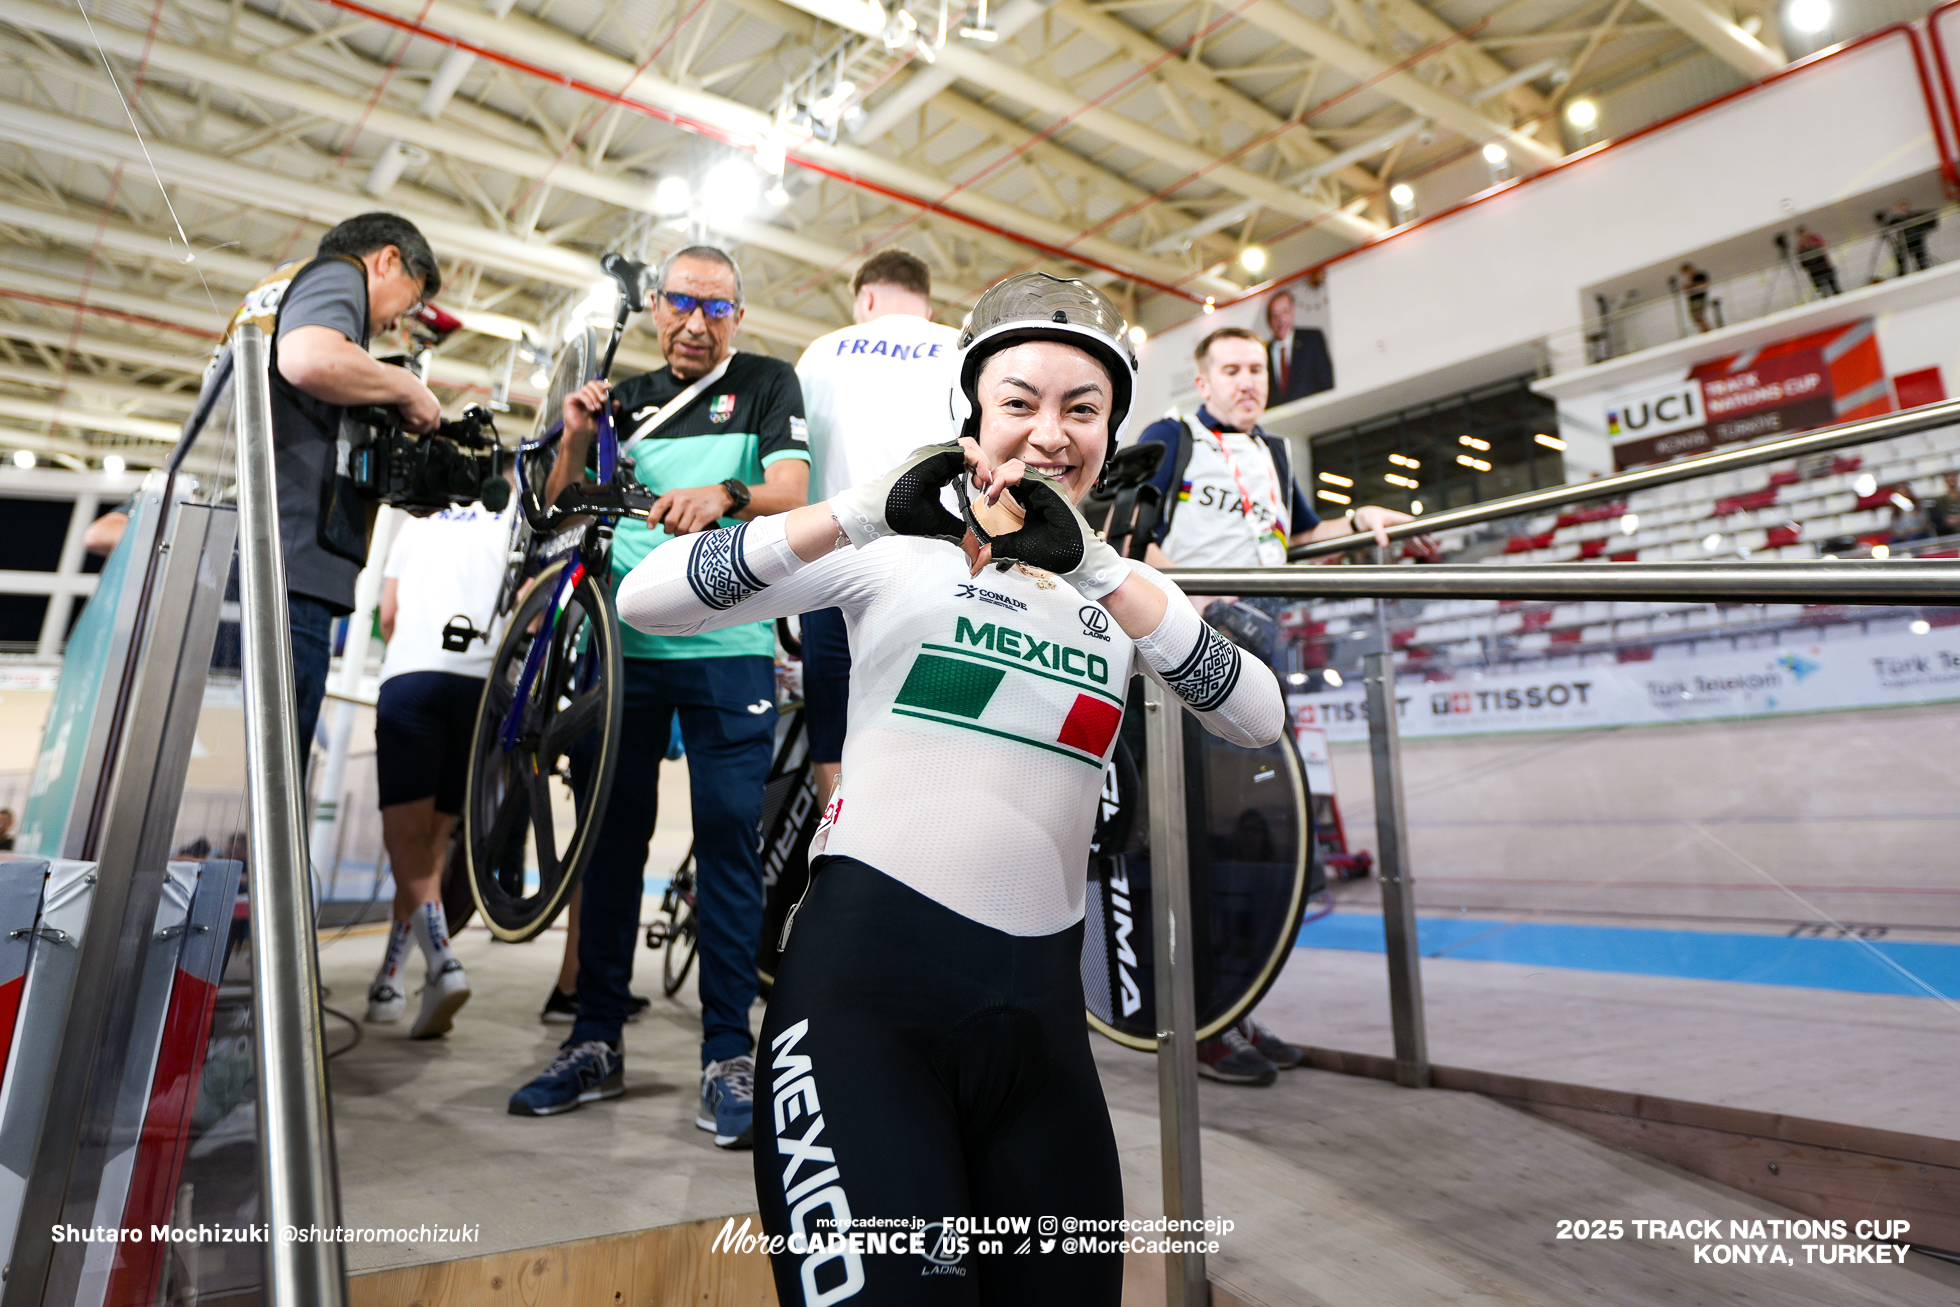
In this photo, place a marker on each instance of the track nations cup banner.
(1878, 671)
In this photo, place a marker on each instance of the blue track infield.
(1853, 965)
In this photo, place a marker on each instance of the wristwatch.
(737, 492)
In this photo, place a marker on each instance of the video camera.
(460, 462)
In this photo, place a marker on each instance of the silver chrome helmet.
(1036, 306)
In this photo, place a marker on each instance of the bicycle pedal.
(658, 934)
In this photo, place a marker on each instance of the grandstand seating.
(1784, 510)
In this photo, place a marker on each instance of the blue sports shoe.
(581, 1073)
(728, 1101)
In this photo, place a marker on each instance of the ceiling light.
(1495, 154)
(672, 196)
(1549, 442)
(1921, 626)
(1296, 678)
(829, 107)
(1582, 114)
(1629, 523)
(1336, 478)
(1477, 463)
(1473, 442)
(113, 464)
(1211, 304)
(1402, 194)
(1881, 551)
(1809, 16)
(1865, 485)
(540, 379)
(1138, 335)
(1407, 483)
(1415, 507)
(23, 458)
(1403, 460)
(1332, 677)
(1325, 494)
(777, 195)
(730, 190)
(1253, 259)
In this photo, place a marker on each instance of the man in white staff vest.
(872, 393)
(1231, 500)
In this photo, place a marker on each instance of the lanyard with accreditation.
(1270, 544)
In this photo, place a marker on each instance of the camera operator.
(368, 272)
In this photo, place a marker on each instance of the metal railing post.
(1185, 1284)
(297, 1172)
(1398, 886)
(1406, 1018)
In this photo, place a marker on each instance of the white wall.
(1509, 270)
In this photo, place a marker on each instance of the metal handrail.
(1812, 442)
(1834, 581)
(299, 1179)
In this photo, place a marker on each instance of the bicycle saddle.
(634, 278)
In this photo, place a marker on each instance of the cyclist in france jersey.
(924, 1055)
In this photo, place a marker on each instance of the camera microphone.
(496, 494)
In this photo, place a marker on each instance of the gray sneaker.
(728, 1101)
(1231, 1059)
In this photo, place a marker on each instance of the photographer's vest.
(323, 524)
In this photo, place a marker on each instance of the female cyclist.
(924, 1060)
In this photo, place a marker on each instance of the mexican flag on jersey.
(995, 680)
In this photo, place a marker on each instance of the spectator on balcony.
(1813, 252)
(1693, 282)
(1906, 230)
(1943, 511)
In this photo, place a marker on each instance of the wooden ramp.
(1346, 1191)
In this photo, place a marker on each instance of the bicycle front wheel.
(546, 747)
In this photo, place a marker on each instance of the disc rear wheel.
(546, 746)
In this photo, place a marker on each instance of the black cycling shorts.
(918, 1069)
(423, 725)
(826, 682)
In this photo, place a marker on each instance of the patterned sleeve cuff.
(727, 566)
(1194, 660)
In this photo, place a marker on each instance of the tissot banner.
(1857, 672)
(1793, 385)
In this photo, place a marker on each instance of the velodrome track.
(1850, 818)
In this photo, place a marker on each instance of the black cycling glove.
(1055, 538)
(904, 501)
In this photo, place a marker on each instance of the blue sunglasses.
(686, 304)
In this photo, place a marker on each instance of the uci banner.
(1874, 671)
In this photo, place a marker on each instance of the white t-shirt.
(872, 394)
(446, 565)
(1210, 527)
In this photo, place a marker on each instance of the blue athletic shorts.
(423, 725)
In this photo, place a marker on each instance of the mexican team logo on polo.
(722, 409)
(1012, 685)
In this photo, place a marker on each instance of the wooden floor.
(1345, 1190)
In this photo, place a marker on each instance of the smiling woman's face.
(1047, 404)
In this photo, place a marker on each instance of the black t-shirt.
(322, 526)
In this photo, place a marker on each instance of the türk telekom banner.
(1864, 672)
(1793, 385)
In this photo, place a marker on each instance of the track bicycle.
(547, 731)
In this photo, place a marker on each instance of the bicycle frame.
(613, 496)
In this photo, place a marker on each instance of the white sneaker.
(442, 995)
(385, 1004)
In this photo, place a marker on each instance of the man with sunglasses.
(719, 436)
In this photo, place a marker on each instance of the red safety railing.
(1944, 133)
(1952, 96)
